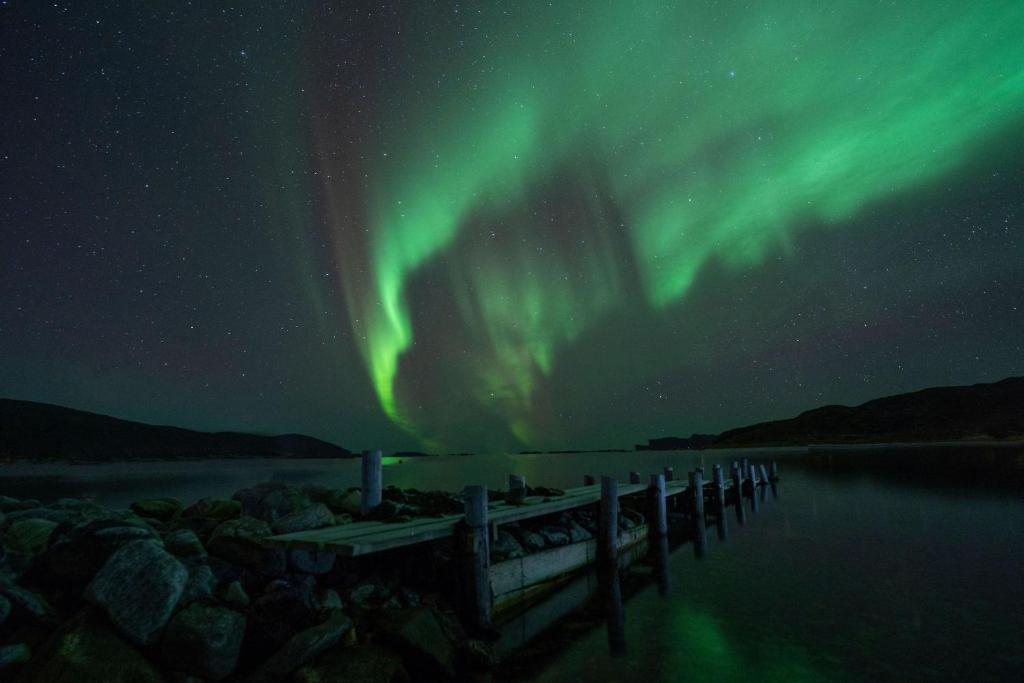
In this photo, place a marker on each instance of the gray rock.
(271, 500)
(17, 653)
(530, 542)
(311, 561)
(506, 547)
(201, 583)
(554, 536)
(204, 640)
(576, 532)
(284, 610)
(84, 650)
(25, 605)
(351, 502)
(162, 509)
(184, 543)
(240, 541)
(221, 509)
(138, 587)
(420, 634)
(235, 595)
(313, 517)
(29, 536)
(362, 664)
(77, 554)
(304, 647)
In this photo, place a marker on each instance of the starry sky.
(506, 225)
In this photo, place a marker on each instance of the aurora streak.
(578, 152)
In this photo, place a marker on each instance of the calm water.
(858, 577)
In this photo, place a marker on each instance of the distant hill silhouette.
(40, 431)
(977, 412)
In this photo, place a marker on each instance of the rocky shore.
(165, 592)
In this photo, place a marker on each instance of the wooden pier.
(490, 587)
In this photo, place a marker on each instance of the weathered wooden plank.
(361, 538)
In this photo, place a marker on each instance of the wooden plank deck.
(364, 538)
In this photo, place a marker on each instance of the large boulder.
(332, 498)
(313, 517)
(272, 500)
(29, 536)
(84, 650)
(138, 587)
(241, 542)
(303, 647)
(204, 640)
(184, 543)
(530, 541)
(287, 608)
(220, 509)
(422, 635)
(350, 502)
(362, 664)
(162, 509)
(77, 553)
(201, 582)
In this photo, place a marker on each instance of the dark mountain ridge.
(40, 431)
(979, 412)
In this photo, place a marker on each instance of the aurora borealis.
(487, 226)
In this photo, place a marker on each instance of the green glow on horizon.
(718, 132)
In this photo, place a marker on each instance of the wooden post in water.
(764, 473)
(516, 489)
(634, 477)
(755, 502)
(775, 471)
(373, 479)
(745, 468)
(608, 527)
(476, 555)
(659, 513)
(719, 478)
(588, 479)
(697, 488)
(737, 487)
(670, 474)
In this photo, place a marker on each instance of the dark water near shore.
(850, 574)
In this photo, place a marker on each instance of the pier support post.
(516, 489)
(634, 477)
(775, 471)
(476, 582)
(659, 513)
(719, 478)
(737, 487)
(764, 473)
(670, 474)
(697, 489)
(745, 468)
(608, 530)
(373, 479)
(588, 479)
(755, 501)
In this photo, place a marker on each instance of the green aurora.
(678, 133)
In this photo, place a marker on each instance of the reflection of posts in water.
(615, 615)
(699, 531)
(737, 487)
(719, 478)
(755, 503)
(775, 490)
(661, 564)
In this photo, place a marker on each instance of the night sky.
(506, 225)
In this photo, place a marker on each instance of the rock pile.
(167, 592)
